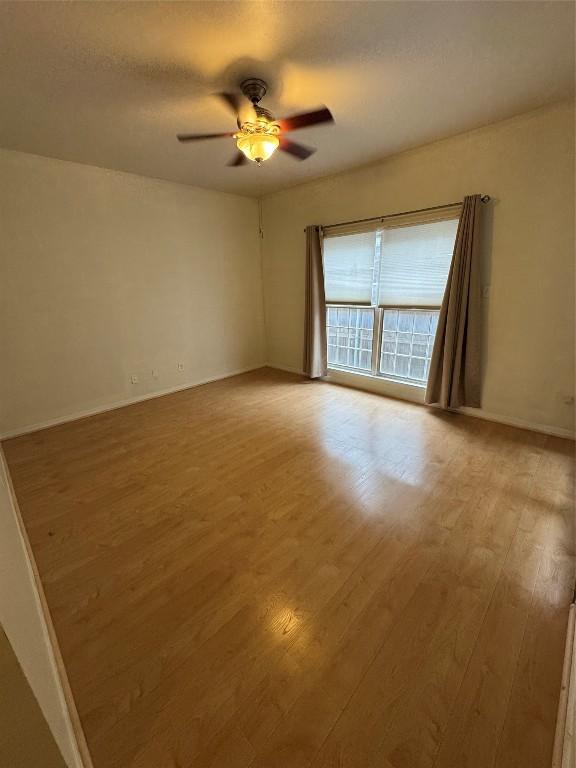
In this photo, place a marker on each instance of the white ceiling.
(111, 83)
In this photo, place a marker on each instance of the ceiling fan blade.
(200, 136)
(231, 100)
(238, 159)
(304, 120)
(296, 150)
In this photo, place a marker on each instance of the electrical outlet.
(155, 373)
(180, 366)
(134, 379)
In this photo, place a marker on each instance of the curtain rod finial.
(485, 198)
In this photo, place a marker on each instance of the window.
(350, 332)
(407, 342)
(384, 288)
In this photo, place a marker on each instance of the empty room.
(287, 351)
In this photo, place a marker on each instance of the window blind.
(414, 263)
(349, 268)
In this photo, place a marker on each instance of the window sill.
(380, 384)
(379, 377)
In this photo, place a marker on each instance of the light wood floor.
(271, 573)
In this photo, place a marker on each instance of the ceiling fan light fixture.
(261, 134)
(258, 141)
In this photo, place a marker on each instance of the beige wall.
(25, 739)
(105, 275)
(22, 618)
(527, 165)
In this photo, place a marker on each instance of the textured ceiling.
(111, 83)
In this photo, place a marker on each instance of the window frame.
(378, 320)
(336, 366)
(389, 376)
(377, 338)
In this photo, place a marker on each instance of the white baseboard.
(476, 413)
(511, 421)
(564, 754)
(287, 368)
(122, 403)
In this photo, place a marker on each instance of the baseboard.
(123, 403)
(287, 368)
(564, 754)
(510, 421)
(476, 413)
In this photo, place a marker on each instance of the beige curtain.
(454, 378)
(315, 363)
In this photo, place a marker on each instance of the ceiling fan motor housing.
(254, 89)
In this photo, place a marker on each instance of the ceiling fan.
(259, 137)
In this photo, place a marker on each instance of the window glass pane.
(415, 261)
(350, 341)
(402, 366)
(419, 349)
(405, 355)
(349, 268)
(366, 341)
(403, 348)
(389, 347)
(387, 365)
(422, 322)
(417, 368)
(367, 320)
(391, 319)
(405, 321)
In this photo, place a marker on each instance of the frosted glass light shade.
(257, 146)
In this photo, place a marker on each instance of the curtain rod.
(484, 199)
